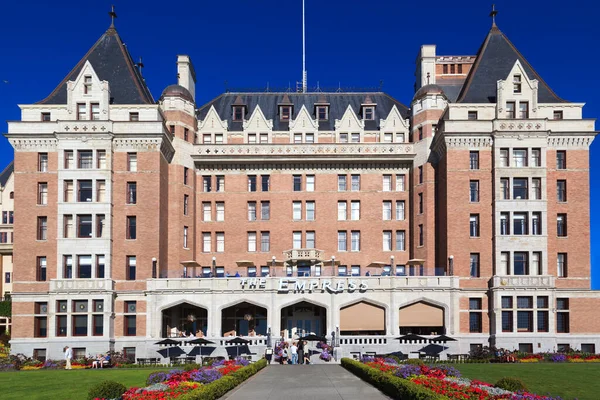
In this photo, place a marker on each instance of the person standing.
(294, 352)
(68, 357)
(301, 352)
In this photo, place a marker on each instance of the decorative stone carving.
(468, 141)
(37, 144)
(573, 142)
(213, 150)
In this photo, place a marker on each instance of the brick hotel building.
(464, 213)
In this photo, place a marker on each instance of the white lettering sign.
(295, 285)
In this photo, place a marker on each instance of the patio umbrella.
(237, 350)
(201, 341)
(433, 349)
(313, 337)
(238, 340)
(411, 337)
(443, 338)
(171, 351)
(201, 351)
(169, 342)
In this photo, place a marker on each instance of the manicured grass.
(63, 385)
(567, 380)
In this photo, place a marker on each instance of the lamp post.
(332, 264)
(214, 266)
(451, 265)
(154, 267)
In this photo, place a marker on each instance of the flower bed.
(425, 382)
(204, 383)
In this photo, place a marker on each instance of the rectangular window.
(474, 160)
(297, 210)
(84, 226)
(510, 109)
(474, 191)
(561, 159)
(68, 231)
(342, 270)
(400, 240)
(42, 162)
(505, 188)
(322, 112)
(474, 265)
(387, 240)
(206, 242)
(474, 225)
(421, 234)
(131, 227)
(130, 325)
(80, 323)
(387, 183)
(40, 275)
(131, 268)
(516, 83)
(561, 265)
(355, 210)
(42, 193)
(520, 226)
(220, 211)
(265, 181)
(40, 327)
(342, 210)
(400, 183)
(251, 138)
(536, 157)
(420, 174)
(472, 115)
(134, 116)
(297, 180)
(185, 237)
(46, 117)
(557, 114)
(519, 158)
(98, 325)
(420, 201)
(310, 183)
(101, 191)
(504, 223)
(524, 302)
(84, 267)
(310, 210)
(507, 321)
(355, 180)
(87, 84)
(220, 242)
(251, 211)
(387, 210)
(561, 191)
(186, 200)
(400, 210)
(342, 241)
(238, 113)
(84, 190)
(355, 137)
(452, 68)
(520, 190)
(99, 225)
(100, 263)
(81, 114)
(342, 183)
(475, 322)
(536, 188)
(504, 158)
(131, 192)
(69, 159)
(536, 262)
(220, 183)
(186, 133)
(132, 162)
(536, 223)
(523, 110)
(265, 242)
(355, 238)
(343, 138)
(206, 212)
(263, 138)
(369, 113)
(520, 263)
(265, 210)
(207, 184)
(445, 69)
(296, 240)
(561, 225)
(95, 111)
(251, 241)
(285, 113)
(589, 348)
(504, 267)
(252, 183)
(524, 321)
(186, 172)
(388, 138)
(310, 239)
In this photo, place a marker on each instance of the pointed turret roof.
(113, 63)
(5, 175)
(495, 59)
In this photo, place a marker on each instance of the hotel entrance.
(302, 319)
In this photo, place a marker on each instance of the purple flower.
(448, 370)
(407, 370)
(156, 377)
(218, 363)
(390, 361)
(367, 359)
(242, 361)
(206, 375)
(558, 358)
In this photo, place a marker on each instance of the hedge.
(5, 308)
(218, 388)
(395, 387)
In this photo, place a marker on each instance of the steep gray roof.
(269, 105)
(112, 62)
(4, 175)
(495, 59)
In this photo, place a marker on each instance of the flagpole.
(303, 49)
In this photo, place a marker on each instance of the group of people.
(504, 355)
(296, 353)
(98, 362)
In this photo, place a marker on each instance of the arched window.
(12, 195)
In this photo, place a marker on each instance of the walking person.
(301, 345)
(294, 352)
(68, 356)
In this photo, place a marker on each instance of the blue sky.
(351, 43)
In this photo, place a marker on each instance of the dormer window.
(45, 117)
(322, 113)
(87, 84)
(81, 111)
(286, 113)
(369, 113)
(95, 111)
(523, 110)
(557, 114)
(238, 113)
(517, 84)
(134, 116)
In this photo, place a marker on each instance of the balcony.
(523, 282)
(303, 254)
(80, 285)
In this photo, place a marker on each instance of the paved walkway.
(314, 382)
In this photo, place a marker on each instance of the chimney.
(425, 65)
(186, 76)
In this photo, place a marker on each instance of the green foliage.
(395, 387)
(218, 388)
(6, 308)
(396, 358)
(414, 361)
(512, 384)
(106, 390)
(191, 367)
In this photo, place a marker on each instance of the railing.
(76, 285)
(364, 340)
(303, 254)
(523, 281)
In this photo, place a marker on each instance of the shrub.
(191, 367)
(106, 390)
(512, 384)
(414, 361)
(396, 388)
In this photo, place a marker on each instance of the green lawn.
(64, 385)
(568, 380)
